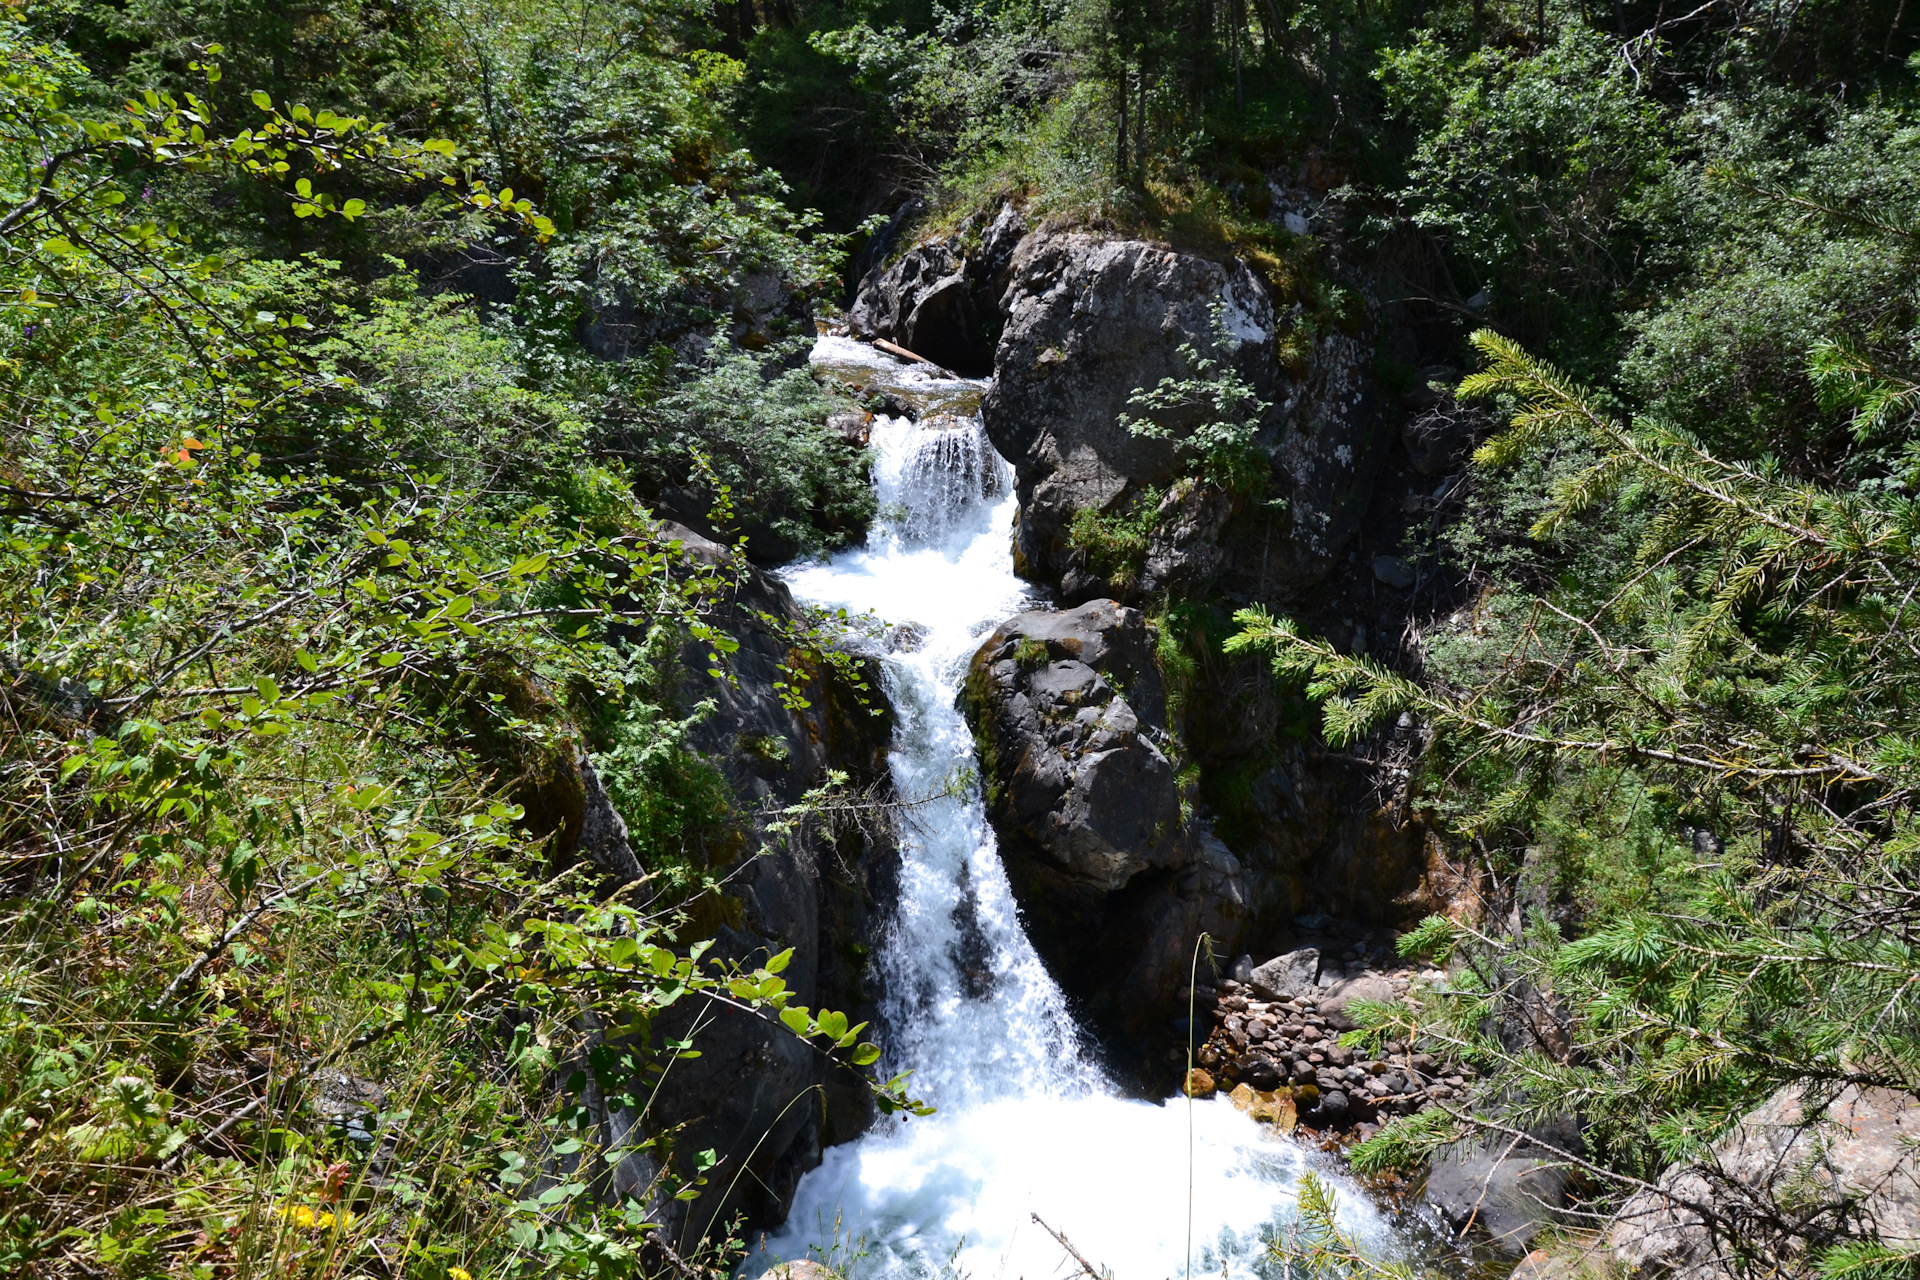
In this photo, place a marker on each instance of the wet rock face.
(1073, 769)
(941, 299)
(1088, 321)
(1069, 714)
(806, 894)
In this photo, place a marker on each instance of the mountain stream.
(1026, 1123)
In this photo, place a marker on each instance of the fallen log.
(894, 348)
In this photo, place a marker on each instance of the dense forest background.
(355, 352)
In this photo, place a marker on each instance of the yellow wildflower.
(458, 1273)
(307, 1218)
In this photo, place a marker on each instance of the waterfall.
(1026, 1122)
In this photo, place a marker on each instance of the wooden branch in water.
(894, 348)
(1092, 1272)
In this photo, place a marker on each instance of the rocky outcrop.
(1113, 881)
(1798, 1173)
(941, 299)
(1090, 320)
(812, 892)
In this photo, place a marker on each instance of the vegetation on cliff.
(332, 589)
(355, 352)
(1662, 669)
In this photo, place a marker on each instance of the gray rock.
(1113, 883)
(941, 299)
(851, 425)
(1393, 571)
(736, 1099)
(1088, 321)
(1843, 1169)
(1509, 1197)
(1262, 1073)
(1362, 985)
(603, 832)
(1184, 551)
(1288, 976)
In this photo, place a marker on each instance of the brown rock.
(1200, 1084)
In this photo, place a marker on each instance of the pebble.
(1266, 1051)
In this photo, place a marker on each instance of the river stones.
(1299, 1048)
(1288, 975)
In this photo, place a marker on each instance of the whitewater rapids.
(1026, 1123)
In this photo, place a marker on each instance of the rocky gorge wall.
(1136, 809)
(758, 1097)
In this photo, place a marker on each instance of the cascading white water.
(1026, 1122)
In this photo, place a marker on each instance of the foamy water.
(1026, 1122)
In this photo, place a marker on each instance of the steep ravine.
(1144, 788)
(1030, 1119)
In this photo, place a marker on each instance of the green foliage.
(1530, 168)
(1750, 669)
(306, 582)
(1795, 248)
(609, 114)
(1115, 542)
(752, 428)
(1213, 417)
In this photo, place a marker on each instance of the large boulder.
(1798, 1173)
(1089, 320)
(1071, 768)
(1113, 881)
